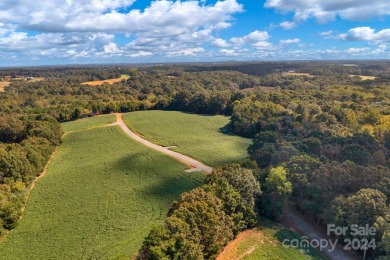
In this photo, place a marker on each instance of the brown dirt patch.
(231, 250)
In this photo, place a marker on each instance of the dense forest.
(321, 142)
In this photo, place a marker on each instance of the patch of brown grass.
(364, 77)
(231, 250)
(297, 74)
(36, 79)
(3, 85)
(109, 81)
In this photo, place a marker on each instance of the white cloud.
(327, 10)
(357, 50)
(220, 43)
(163, 17)
(366, 34)
(111, 48)
(141, 54)
(288, 25)
(289, 41)
(252, 38)
(263, 45)
(71, 28)
(326, 34)
(186, 52)
(228, 52)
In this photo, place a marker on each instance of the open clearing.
(266, 242)
(99, 198)
(89, 122)
(364, 77)
(3, 85)
(109, 81)
(198, 136)
(297, 74)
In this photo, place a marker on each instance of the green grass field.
(89, 122)
(99, 198)
(266, 242)
(197, 136)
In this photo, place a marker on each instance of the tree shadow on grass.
(158, 182)
(227, 130)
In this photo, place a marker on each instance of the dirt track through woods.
(192, 163)
(296, 221)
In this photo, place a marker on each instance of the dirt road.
(297, 222)
(192, 163)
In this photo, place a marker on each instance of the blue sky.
(131, 31)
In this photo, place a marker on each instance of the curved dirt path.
(296, 221)
(192, 163)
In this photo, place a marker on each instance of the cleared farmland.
(89, 122)
(201, 137)
(109, 81)
(266, 242)
(100, 196)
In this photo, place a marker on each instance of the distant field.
(297, 74)
(109, 81)
(197, 136)
(3, 85)
(100, 197)
(36, 79)
(364, 77)
(265, 242)
(89, 122)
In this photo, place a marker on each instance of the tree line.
(321, 143)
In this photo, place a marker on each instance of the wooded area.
(320, 143)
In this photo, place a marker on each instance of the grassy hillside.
(89, 122)
(100, 197)
(266, 242)
(195, 135)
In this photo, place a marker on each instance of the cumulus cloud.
(252, 38)
(327, 10)
(163, 17)
(141, 54)
(263, 45)
(326, 34)
(366, 34)
(68, 28)
(288, 25)
(228, 52)
(289, 41)
(111, 48)
(357, 50)
(186, 52)
(220, 43)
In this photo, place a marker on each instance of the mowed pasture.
(266, 242)
(99, 198)
(89, 122)
(109, 81)
(199, 136)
